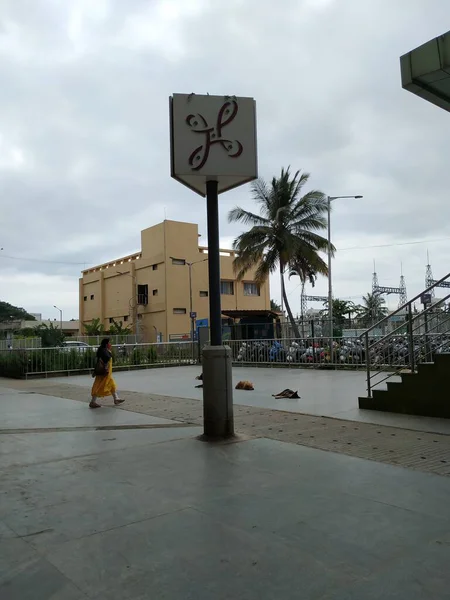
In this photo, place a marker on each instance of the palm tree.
(372, 310)
(284, 234)
(342, 310)
(275, 306)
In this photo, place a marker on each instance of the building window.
(142, 293)
(125, 318)
(155, 267)
(92, 296)
(178, 261)
(227, 288)
(179, 311)
(85, 298)
(155, 292)
(251, 289)
(203, 294)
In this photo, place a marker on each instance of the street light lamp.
(60, 317)
(135, 308)
(330, 284)
(191, 313)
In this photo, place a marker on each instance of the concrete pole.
(217, 381)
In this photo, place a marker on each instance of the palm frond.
(245, 216)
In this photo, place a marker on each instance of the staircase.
(408, 369)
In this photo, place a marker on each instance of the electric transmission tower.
(385, 290)
(403, 296)
(429, 276)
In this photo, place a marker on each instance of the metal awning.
(238, 314)
(425, 71)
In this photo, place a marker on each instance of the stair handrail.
(402, 308)
(390, 374)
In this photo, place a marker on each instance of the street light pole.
(60, 317)
(330, 281)
(191, 307)
(330, 285)
(190, 301)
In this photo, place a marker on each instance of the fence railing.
(417, 339)
(33, 362)
(344, 352)
(95, 340)
(347, 353)
(17, 343)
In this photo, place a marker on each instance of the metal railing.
(35, 362)
(18, 342)
(345, 352)
(383, 355)
(417, 339)
(95, 340)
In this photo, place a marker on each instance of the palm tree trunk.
(301, 309)
(286, 303)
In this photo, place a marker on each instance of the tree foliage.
(50, 335)
(275, 306)
(118, 328)
(95, 327)
(8, 312)
(284, 235)
(372, 309)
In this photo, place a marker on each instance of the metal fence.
(95, 340)
(41, 362)
(344, 352)
(17, 343)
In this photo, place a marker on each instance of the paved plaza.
(127, 503)
(322, 393)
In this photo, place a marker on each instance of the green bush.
(13, 364)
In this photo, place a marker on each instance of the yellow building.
(151, 288)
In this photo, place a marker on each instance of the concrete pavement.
(419, 443)
(323, 393)
(125, 506)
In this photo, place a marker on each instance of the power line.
(396, 244)
(40, 260)
(60, 262)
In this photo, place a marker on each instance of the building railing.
(417, 339)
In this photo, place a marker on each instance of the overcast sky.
(84, 144)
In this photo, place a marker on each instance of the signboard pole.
(215, 313)
(213, 149)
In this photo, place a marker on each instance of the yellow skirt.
(105, 385)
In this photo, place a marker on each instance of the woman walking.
(104, 384)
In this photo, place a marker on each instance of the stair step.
(426, 368)
(404, 402)
(442, 360)
(395, 386)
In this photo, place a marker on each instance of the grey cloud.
(88, 108)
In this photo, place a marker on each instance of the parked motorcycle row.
(346, 351)
(296, 352)
(396, 351)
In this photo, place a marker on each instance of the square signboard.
(213, 138)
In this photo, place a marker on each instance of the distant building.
(151, 287)
(68, 327)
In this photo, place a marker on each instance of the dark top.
(104, 354)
